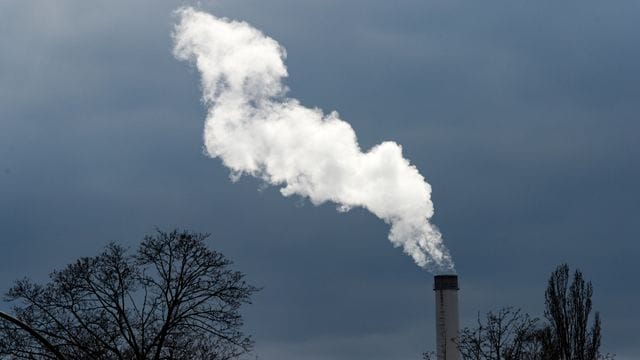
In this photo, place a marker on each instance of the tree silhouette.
(568, 308)
(172, 299)
(508, 334)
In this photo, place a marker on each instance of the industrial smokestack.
(447, 323)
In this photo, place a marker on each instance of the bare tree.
(509, 334)
(174, 298)
(568, 308)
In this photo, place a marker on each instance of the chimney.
(447, 324)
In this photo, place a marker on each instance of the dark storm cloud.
(522, 116)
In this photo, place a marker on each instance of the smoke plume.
(256, 130)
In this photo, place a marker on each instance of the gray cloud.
(100, 139)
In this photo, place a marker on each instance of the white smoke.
(256, 130)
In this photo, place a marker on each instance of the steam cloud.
(256, 130)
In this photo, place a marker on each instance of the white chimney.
(447, 323)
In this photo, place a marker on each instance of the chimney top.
(445, 282)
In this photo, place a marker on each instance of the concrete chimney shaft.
(447, 322)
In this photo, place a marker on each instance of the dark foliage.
(172, 299)
(568, 307)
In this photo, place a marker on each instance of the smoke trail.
(256, 130)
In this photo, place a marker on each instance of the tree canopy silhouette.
(173, 298)
(509, 334)
(568, 308)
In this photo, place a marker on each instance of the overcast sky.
(522, 115)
